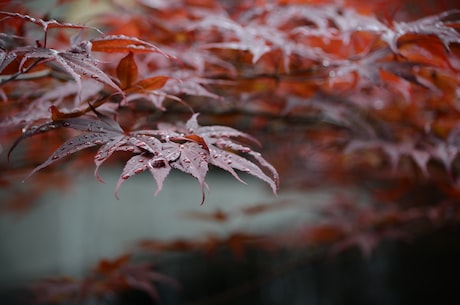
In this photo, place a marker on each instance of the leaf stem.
(24, 75)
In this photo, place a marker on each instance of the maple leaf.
(47, 24)
(367, 66)
(188, 148)
(342, 112)
(346, 224)
(184, 82)
(75, 62)
(431, 25)
(395, 151)
(421, 151)
(224, 151)
(158, 88)
(349, 21)
(257, 38)
(147, 88)
(203, 145)
(127, 71)
(371, 66)
(63, 95)
(247, 36)
(124, 44)
(106, 278)
(199, 59)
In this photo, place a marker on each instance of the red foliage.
(108, 278)
(361, 95)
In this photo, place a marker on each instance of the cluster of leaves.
(188, 148)
(355, 98)
(106, 280)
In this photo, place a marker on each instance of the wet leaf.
(127, 71)
(124, 44)
(156, 150)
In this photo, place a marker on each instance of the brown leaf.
(149, 84)
(127, 71)
(122, 44)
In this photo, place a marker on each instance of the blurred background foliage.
(355, 106)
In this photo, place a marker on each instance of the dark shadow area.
(423, 271)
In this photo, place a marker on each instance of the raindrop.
(54, 157)
(99, 157)
(125, 176)
(187, 160)
(138, 171)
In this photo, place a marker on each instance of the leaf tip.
(203, 197)
(99, 178)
